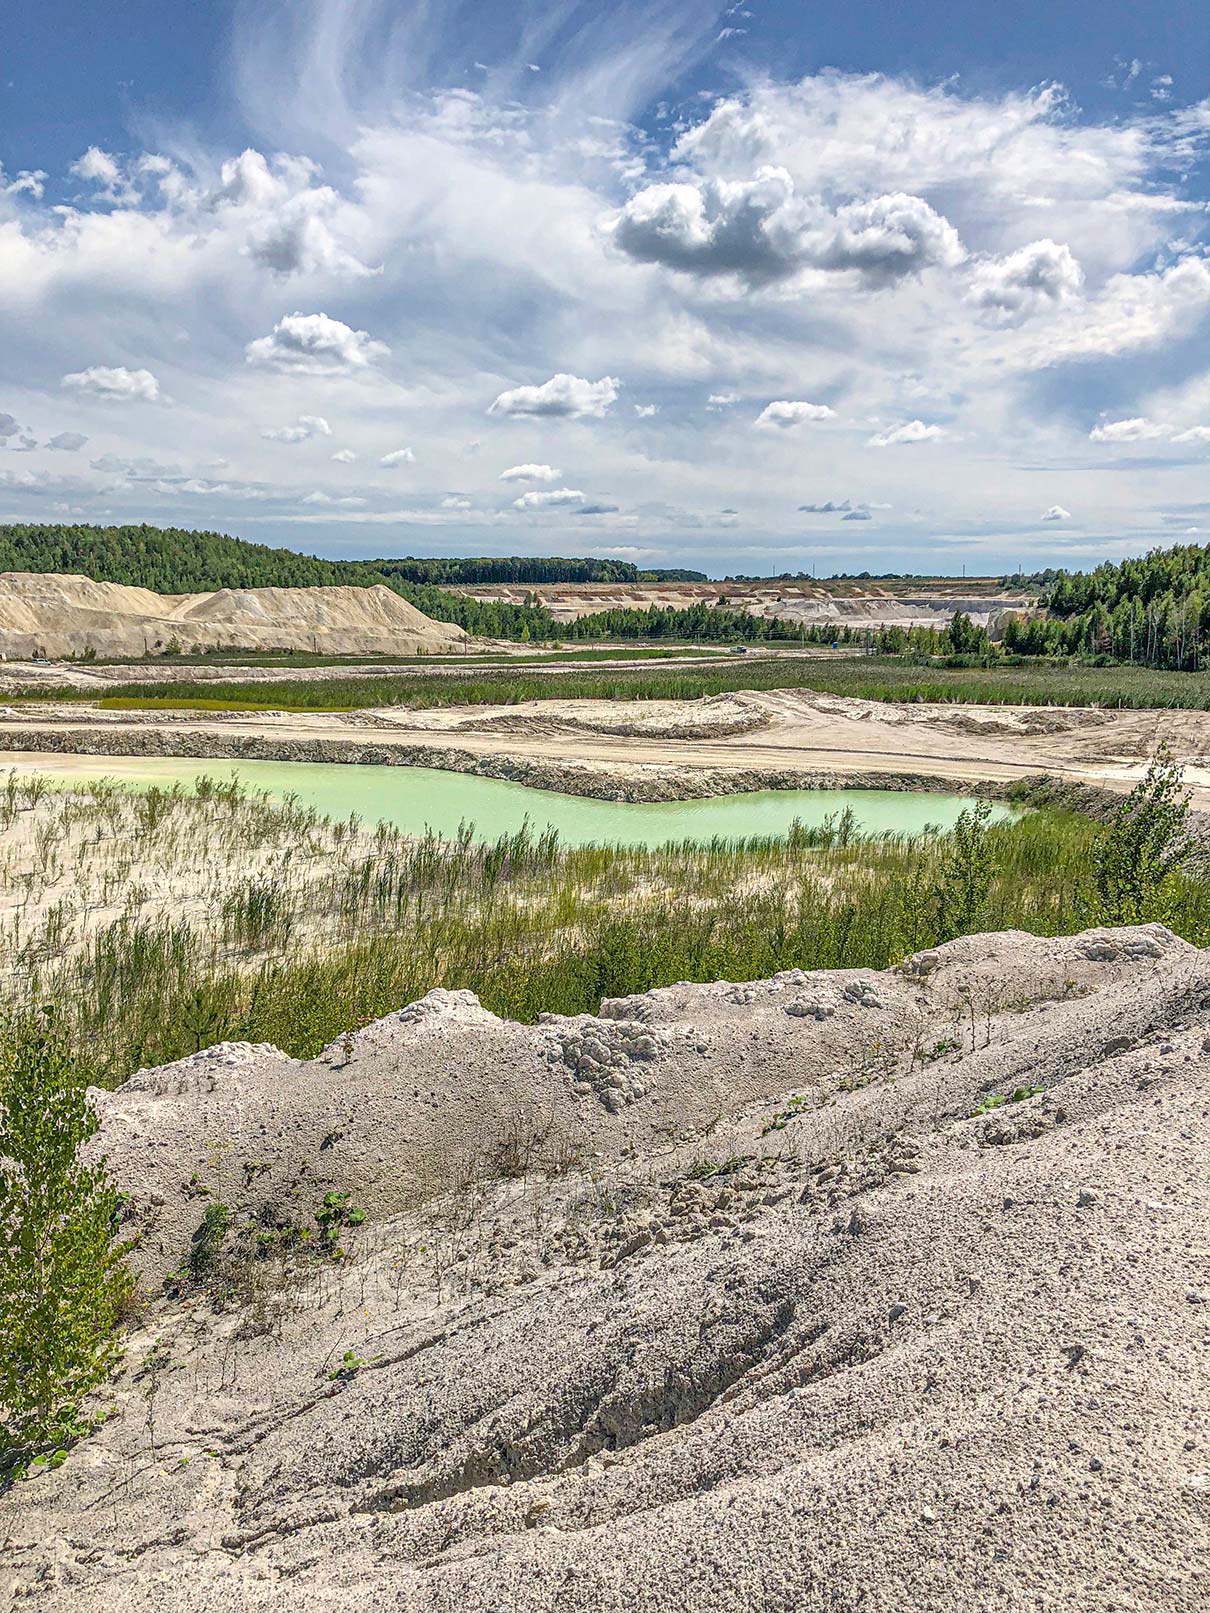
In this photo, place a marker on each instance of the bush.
(1148, 840)
(63, 1277)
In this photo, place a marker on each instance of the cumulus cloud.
(1137, 429)
(722, 400)
(761, 231)
(287, 218)
(782, 416)
(888, 238)
(1193, 434)
(562, 397)
(455, 501)
(344, 456)
(116, 384)
(309, 425)
(646, 410)
(67, 442)
(857, 515)
(99, 168)
(828, 507)
(314, 344)
(1032, 278)
(399, 456)
(8, 426)
(29, 182)
(556, 498)
(1056, 512)
(911, 431)
(531, 473)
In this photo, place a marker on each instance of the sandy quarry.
(929, 602)
(49, 614)
(726, 1299)
(651, 750)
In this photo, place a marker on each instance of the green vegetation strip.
(867, 678)
(305, 927)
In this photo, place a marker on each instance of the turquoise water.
(418, 798)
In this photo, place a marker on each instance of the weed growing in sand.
(63, 1277)
(997, 1100)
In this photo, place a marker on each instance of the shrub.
(63, 1276)
(966, 874)
(1148, 840)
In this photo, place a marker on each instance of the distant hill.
(170, 560)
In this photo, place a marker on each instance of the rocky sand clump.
(831, 1292)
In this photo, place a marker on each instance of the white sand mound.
(731, 1297)
(52, 614)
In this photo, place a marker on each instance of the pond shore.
(660, 750)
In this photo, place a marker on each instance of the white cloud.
(314, 344)
(455, 501)
(97, 167)
(760, 231)
(645, 411)
(557, 498)
(530, 473)
(911, 431)
(309, 425)
(783, 415)
(563, 396)
(117, 384)
(399, 456)
(1193, 434)
(344, 456)
(722, 400)
(1135, 430)
(1056, 512)
(1034, 277)
(346, 503)
(67, 442)
(287, 220)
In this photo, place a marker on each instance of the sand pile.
(837, 1291)
(48, 614)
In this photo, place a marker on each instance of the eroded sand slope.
(50, 614)
(726, 1298)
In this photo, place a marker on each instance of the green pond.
(418, 798)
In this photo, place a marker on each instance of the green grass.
(285, 659)
(869, 678)
(305, 927)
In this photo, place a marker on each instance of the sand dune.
(54, 614)
(731, 1297)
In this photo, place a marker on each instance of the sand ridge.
(763, 1307)
(53, 614)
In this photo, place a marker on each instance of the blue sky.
(750, 287)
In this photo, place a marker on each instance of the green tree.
(63, 1275)
(1147, 842)
(966, 874)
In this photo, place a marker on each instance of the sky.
(750, 288)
